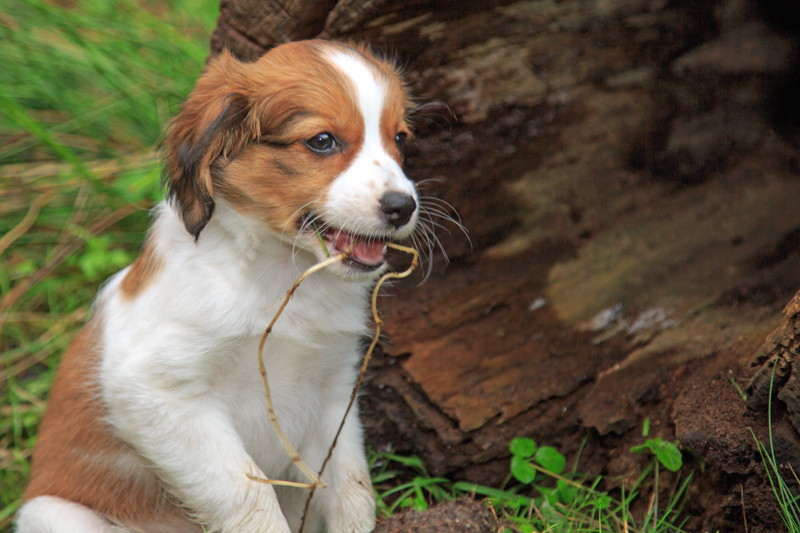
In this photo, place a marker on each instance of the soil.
(464, 515)
(628, 173)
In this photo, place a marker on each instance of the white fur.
(179, 373)
(47, 514)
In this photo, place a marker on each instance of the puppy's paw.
(254, 509)
(355, 508)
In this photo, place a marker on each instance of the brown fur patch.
(143, 271)
(77, 457)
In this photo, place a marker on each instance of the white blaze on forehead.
(370, 91)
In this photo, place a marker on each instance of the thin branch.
(26, 223)
(316, 481)
(378, 324)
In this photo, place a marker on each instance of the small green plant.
(562, 500)
(525, 450)
(666, 453)
(99, 259)
(417, 493)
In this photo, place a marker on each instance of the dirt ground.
(628, 172)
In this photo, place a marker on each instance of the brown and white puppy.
(157, 415)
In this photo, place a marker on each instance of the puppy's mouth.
(364, 253)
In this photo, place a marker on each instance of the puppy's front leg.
(348, 503)
(197, 453)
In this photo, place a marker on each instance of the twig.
(297, 484)
(655, 493)
(54, 332)
(378, 324)
(26, 223)
(556, 476)
(34, 316)
(491, 507)
(736, 385)
(744, 512)
(650, 505)
(316, 481)
(77, 214)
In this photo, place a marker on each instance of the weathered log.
(778, 362)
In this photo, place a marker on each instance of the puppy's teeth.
(385, 248)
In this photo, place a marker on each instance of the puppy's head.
(309, 141)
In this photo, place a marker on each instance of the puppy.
(157, 415)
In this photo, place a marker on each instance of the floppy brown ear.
(212, 124)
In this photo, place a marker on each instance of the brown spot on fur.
(77, 457)
(143, 271)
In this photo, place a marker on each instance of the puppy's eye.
(400, 140)
(322, 142)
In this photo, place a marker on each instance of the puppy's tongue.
(370, 252)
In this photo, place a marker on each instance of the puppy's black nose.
(397, 208)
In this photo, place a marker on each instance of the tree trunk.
(627, 172)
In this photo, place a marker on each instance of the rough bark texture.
(628, 173)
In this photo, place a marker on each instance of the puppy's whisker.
(296, 212)
(434, 211)
(426, 181)
(440, 213)
(433, 200)
(437, 224)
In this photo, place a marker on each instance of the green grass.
(787, 502)
(85, 91)
(542, 500)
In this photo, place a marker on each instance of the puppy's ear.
(212, 125)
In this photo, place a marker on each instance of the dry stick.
(744, 512)
(317, 482)
(378, 324)
(51, 340)
(286, 444)
(26, 223)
